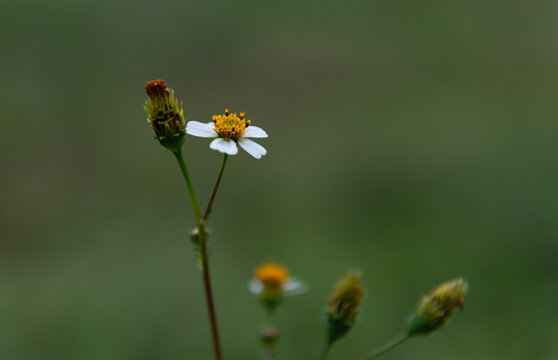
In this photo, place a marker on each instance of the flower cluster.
(271, 282)
(166, 118)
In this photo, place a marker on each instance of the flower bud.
(437, 307)
(165, 115)
(195, 236)
(344, 306)
(269, 336)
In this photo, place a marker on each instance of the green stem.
(388, 347)
(326, 350)
(269, 322)
(269, 317)
(190, 186)
(217, 183)
(267, 353)
(203, 256)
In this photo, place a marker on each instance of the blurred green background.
(415, 141)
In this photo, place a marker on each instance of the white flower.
(274, 281)
(292, 286)
(228, 131)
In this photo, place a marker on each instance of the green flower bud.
(269, 336)
(195, 236)
(344, 306)
(165, 115)
(437, 307)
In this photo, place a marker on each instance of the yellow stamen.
(272, 275)
(230, 126)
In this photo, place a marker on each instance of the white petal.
(252, 148)
(255, 286)
(224, 146)
(294, 286)
(254, 132)
(200, 129)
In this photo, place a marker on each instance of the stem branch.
(325, 350)
(388, 347)
(203, 255)
(214, 193)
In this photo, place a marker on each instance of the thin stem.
(326, 350)
(388, 347)
(190, 186)
(269, 317)
(267, 354)
(215, 188)
(267, 346)
(203, 256)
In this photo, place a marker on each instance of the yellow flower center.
(229, 126)
(272, 275)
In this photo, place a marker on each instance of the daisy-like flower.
(274, 278)
(272, 282)
(229, 130)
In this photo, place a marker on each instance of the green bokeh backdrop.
(415, 141)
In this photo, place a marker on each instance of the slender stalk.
(388, 347)
(269, 335)
(326, 350)
(267, 354)
(203, 256)
(190, 186)
(215, 188)
(267, 346)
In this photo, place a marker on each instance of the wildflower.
(438, 306)
(344, 306)
(229, 130)
(272, 282)
(164, 114)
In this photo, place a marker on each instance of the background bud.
(164, 115)
(269, 336)
(344, 306)
(437, 307)
(195, 236)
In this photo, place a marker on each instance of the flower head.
(272, 276)
(272, 282)
(164, 114)
(344, 306)
(229, 130)
(437, 307)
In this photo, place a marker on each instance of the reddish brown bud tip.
(156, 88)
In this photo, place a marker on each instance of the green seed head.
(437, 307)
(164, 114)
(269, 336)
(344, 306)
